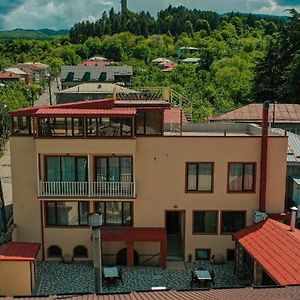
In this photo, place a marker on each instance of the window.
(233, 221)
(241, 177)
(109, 127)
(54, 252)
(21, 126)
(200, 177)
(102, 77)
(66, 169)
(114, 169)
(115, 213)
(80, 252)
(205, 222)
(60, 127)
(202, 254)
(149, 123)
(67, 213)
(230, 255)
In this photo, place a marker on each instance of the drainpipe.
(264, 157)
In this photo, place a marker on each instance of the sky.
(62, 14)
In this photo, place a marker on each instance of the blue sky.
(61, 14)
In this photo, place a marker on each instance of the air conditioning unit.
(259, 216)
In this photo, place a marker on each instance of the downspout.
(264, 157)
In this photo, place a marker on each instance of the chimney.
(264, 157)
(294, 210)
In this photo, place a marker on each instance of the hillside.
(31, 34)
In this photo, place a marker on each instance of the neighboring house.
(7, 76)
(37, 71)
(163, 194)
(287, 116)
(91, 91)
(18, 270)
(190, 60)
(75, 75)
(97, 61)
(268, 253)
(27, 77)
(166, 65)
(186, 50)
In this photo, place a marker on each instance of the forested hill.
(244, 59)
(173, 21)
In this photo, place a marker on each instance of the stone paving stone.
(78, 277)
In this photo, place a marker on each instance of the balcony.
(86, 189)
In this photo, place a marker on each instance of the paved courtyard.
(59, 278)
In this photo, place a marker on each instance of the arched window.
(80, 252)
(54, 252)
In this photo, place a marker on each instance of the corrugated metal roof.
(262, 293)
(69, 112)
(95, 71)
(19, 251)
(275, 248)
(284, 113)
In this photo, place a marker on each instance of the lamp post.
(95, 222)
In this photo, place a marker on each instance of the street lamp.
(95, 222)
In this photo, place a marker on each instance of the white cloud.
(59, 14)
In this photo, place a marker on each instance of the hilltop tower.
(123, 6)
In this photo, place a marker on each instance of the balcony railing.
(86, 189)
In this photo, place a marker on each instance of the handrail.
(150, 258)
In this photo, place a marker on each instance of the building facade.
(162, 194)
(75, 75)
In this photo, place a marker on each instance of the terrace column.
(130, 254)
(239, 259)
(258, 274)
(163, 254)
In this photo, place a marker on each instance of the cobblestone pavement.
(78, 277)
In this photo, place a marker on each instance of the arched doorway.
(122, 258)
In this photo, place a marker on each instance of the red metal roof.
(277, 293)
(72, 112)
(133, 234)
(19, 251)
(275, 248)
(284, 113)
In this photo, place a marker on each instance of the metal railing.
(86, 189)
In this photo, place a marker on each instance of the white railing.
(112, 189)
(63, 189)
(86, 189)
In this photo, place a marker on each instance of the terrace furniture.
(201, 277)
(112, 274)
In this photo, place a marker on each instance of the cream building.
(164, 193)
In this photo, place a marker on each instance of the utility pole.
(95, 221)
(50, 94)
(124, 6)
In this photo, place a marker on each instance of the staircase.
(175, 249)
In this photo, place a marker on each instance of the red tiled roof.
(9, 75)
(173, 115)
(96, 63)
(19, 251)
(275, 248)
(284, 113)
(72, 112)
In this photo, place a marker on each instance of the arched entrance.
(122, 258)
